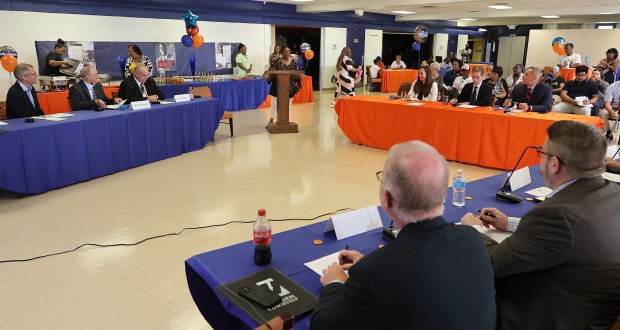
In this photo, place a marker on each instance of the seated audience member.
(610, 110)
(21, 99)
(531, 94)
(433, 276)
(380, 63)
(560, 268)
(398, 64)
(437, 78)
(601, 86)
(609, 65)
(88, 93)
(571, 59)
(424, 88)
(139, 87)
(557, 83)
(448, 78)
(488, 72)
(424, 64)
(461, 81)
(375, 68)
(500, 88)
(516, 76)
(476, 92)
(580, 87)
(447, 63)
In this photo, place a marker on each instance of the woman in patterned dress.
(135, 56)
(284, 63)
(346, 75)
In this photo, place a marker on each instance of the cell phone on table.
(260, 296)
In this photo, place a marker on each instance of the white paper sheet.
(495, 234)
(539, 192)
(611, 151)
(320, 264)
(415, 103)
(611, 177)
(467, 106)
(3, 123)
(50, 118)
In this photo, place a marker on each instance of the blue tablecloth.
(291, 249)
(235, 94)
(443, 72)
(44, 155)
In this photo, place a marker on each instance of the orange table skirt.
(56, 102)
(391, 79)
(477, 136)
(304, 95)
(569, 73)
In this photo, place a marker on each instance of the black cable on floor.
(169, 234)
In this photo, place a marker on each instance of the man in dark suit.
(21, 99)
(531, 93)
(435, 275)
(88, 93)
(140, 87)
(476, 92)
(561, 267)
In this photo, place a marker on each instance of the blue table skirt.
(37, 157)
(291, 249)
(235, 94)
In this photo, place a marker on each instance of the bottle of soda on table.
(262, 239)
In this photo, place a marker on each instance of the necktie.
(95, 96)
(143, 90)
(472, 100)
(29, 92)
(528, 96)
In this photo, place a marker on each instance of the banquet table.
(291, 249)
(45, 155)
(305, 94)
(58, 101)
(391, 79)
(478, 136)
(235, 94)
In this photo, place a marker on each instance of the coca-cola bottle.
(262, 239)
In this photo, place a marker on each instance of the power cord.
(169, 234)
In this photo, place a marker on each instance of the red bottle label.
(262, 238)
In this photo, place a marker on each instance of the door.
(355, 41)
(511, 51)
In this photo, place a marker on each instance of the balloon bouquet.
(307, 53)
(419, 35)
(558, 45)
(8, 58)
(192, 37)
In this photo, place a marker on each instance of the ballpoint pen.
(342, 260)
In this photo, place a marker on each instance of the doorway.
(294, 36)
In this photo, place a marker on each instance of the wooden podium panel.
(282, 125)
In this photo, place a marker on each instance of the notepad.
(320, 264)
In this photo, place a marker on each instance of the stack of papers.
(3, 123)
(55, 117)
(467, 106)
(415, 103)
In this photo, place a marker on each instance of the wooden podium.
(282, 125)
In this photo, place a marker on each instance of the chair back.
(369, 79)
(404, 89)
(2, 110)
(282, 322)
(203, 91)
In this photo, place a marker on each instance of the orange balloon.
(309, 54)
(198, 40)
(8, 62)
(558, 48)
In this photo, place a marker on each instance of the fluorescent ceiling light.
(499, 7)
(482, 30)
(553, 16)
(605, 27)
(402, 12)
(606, 13)
(473, 19)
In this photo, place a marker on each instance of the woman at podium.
(284, 63)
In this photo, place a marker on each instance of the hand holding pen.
(492, 217)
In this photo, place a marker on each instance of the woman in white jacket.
(424, 89)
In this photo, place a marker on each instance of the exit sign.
(512, 26)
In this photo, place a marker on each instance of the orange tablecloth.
(391, 79)
(55, 102)
(472, 65)
(477, 136)
(569, 73)
(304, 95)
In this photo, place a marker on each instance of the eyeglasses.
(31, 74)
(540, 154)
(379, 176)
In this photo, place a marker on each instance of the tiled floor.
(143, 287)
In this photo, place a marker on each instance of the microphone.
(502, 194)
(390, 232)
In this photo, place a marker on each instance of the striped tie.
(528, 96)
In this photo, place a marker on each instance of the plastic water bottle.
(588, 61)
(191, 93)
(458, 188)
(262, 239)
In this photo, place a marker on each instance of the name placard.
(182, 98)
(140, 105)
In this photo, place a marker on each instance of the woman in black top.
(54, 61)
(284, 63)
(500, 87)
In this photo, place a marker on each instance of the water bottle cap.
(458, 170)
(262, 212)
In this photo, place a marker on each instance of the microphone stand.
(502, 194)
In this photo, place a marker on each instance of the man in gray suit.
(561, 267)
(88, 93)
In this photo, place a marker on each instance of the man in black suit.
(476, 92)
(140, 87)
(434, 275)
(531, 93)
(561, 267)
(88, 93)
(21, 99)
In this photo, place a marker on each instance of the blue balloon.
(560, 39)
(187, 41)
(415, 46)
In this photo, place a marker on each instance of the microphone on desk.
(390, 232)
(502, 194)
